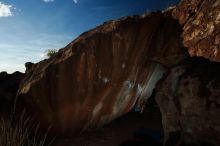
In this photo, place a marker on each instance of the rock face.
(188, 96)
(9, 84)
(201, 27)
(107, 71)
(189, 102)
(102, 74)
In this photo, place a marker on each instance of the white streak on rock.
(123, 66)
(105, 80)
(147, 90)
(97, 109)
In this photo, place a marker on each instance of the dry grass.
(20, 132)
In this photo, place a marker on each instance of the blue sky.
(29, 27)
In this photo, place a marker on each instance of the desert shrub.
(21, 132)
(51, 52)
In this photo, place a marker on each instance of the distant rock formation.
(107, 71)
(9, 85)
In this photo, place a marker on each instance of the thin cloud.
(47, 1)
(43, 55)
(75, 1)
(5, 10)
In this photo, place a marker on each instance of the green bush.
(51, 52)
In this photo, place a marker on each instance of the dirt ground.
(118, 131)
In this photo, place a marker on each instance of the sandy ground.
(118, 131)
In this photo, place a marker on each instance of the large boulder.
(188, 96)
(189, 102)
(102, 74)
(200, 20)
(107, 71)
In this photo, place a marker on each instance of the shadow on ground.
(119, 132)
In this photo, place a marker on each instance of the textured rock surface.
(9, 84)
(189, 102)
(103, 73)
(201, 27)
